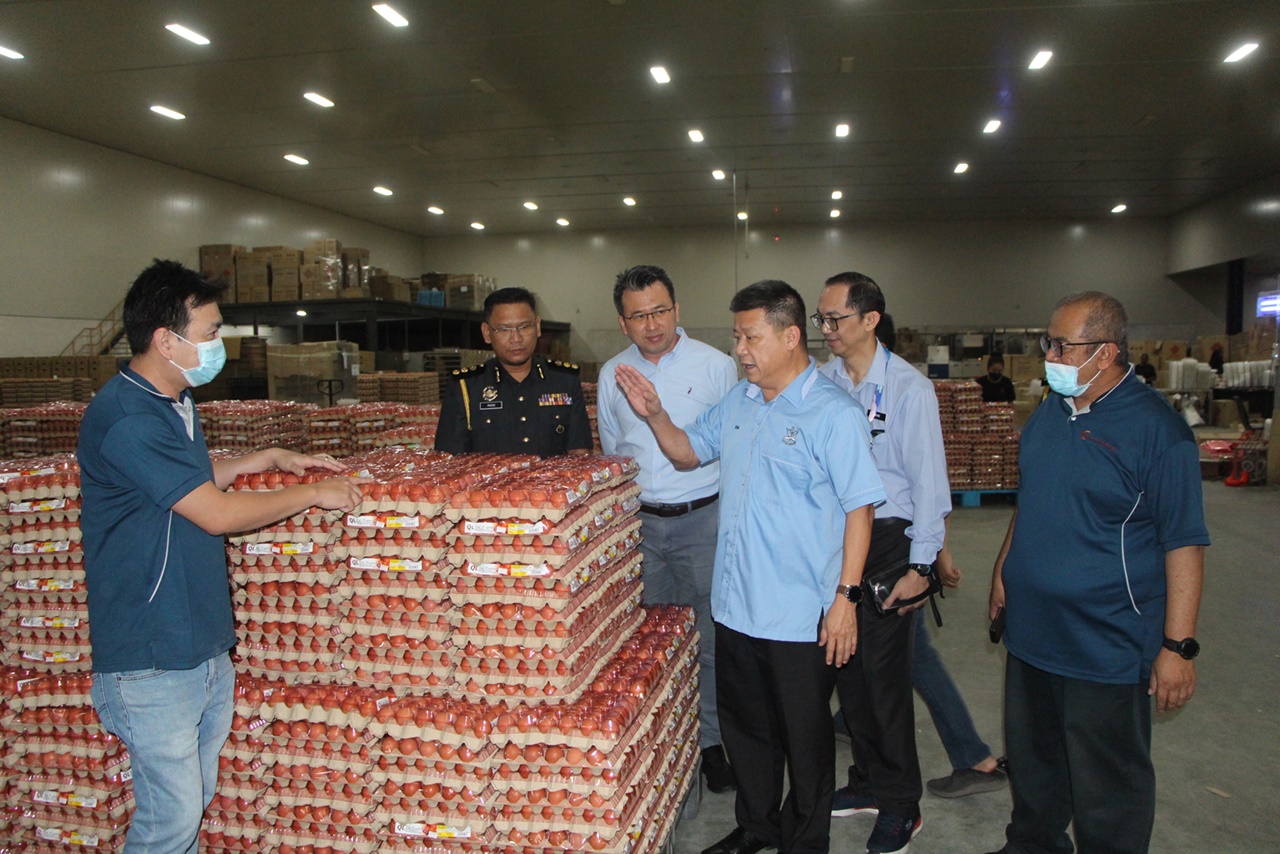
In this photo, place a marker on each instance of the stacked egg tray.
(50, 428)
(67, 775)
(42, 566)
(251, 425)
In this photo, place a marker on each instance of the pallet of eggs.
(370, 420)
(235, 819)
(287, 582)
(317, 757)
(251, 425)
(67, 774)
(415, 428)
(42, 566)
(50, 428)
(546, 576)
(329, 431)
(395, 609)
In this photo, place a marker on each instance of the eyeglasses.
(1057, 345)
(823, 321)
(512, 331)
(643, 317)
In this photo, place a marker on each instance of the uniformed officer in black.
(517, 402)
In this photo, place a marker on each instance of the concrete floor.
(1217, 760)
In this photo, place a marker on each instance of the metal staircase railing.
(106, 338)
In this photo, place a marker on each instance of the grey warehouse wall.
(78, 221)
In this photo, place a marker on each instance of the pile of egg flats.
(65, 779)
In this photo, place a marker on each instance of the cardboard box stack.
(218, 262)
(309, 373)
(461, 290)
(68, 776)
(253, 276)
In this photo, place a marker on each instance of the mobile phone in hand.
(997, 625)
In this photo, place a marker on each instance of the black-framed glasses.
(643, 317)
(1057, 345)
(823, 321)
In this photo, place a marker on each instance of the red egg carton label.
(50, 622)
(513, 528)
(42, 547)
(279, 548)
(508, 570)
(383, 520)
(37, 506)
(66, 799)
(386, 564)
(44, 585)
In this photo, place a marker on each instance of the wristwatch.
(852, 592)
(925, 569)
(1188, 648)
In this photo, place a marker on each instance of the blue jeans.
(679, 556)
(174, 723)
(965, 748)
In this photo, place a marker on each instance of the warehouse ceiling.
(479, 106)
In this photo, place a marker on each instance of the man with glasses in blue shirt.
(677, 508)
(1099, 580)
(797, 489)
(517, 402)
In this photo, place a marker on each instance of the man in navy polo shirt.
(1100, 579)
(154, 513)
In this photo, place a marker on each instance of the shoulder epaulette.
(460, 373)
(568, 366)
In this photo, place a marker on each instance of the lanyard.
(879, 396)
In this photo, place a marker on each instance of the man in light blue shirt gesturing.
(796, 499)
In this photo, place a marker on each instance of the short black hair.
(639, 278)
(508, 296)
(864, 294)
(783, 306)
(995, 359)
(162, 298)
(887, 332)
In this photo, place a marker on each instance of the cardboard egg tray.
(34, 753)
(436, 838)
(274, 837)
(32, 551)
(299, 792)
(219, 834)
(280, 558)
(43, 511)
(47, 836)
(290, 612)
(44, 574)
(50, 655)
(113, 782)
(368, 519)
(39, 479)
(350, 818)
(461, 810)
(541, 559)
(571, 531)
(421, 619)
(394, 576)
(293, 705)
(429, 765)
(34, 691)
(57, 721)
(402, 544)
(53, 616)
(543, 591)
(290, 669)
(229, 808)
(60, 806)
(251, 778)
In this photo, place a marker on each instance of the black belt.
(888, 522)
(666, 511)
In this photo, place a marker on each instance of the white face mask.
(1065, 379)
(213, 355)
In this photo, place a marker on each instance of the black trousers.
(773, 698)
(875, 690)
(1078, 751)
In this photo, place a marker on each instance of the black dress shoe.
(739, 841)
(716, 768)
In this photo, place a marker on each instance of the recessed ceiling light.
(837, 195)
(293, 158)
(695, 135)
(718, 174)
(478, 226)
(992, 126)
(562, 221)
(167, 113)
(1120, 208)
(1241, 52)
(742, 214)
(842, 130)
(532, 206)
(10, 53)
(629, 202)
(835, 213)
(382, 191)
(190, 35)
(435, 210)
(961, 167)
(302, 312)
(318, 99)
(1041, 59)
(393, 17)
(660, 74)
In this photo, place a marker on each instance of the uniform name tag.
(559, 399)
(489, 404)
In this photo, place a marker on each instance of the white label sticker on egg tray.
(10, 475)
(49, 622)
(279, 548)
(52, 657)
(383, 520)
(43, 547)
(69, 799)
(511, 528)
(52, 585)
(378, 564)
(509, 570)
(37, 506)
